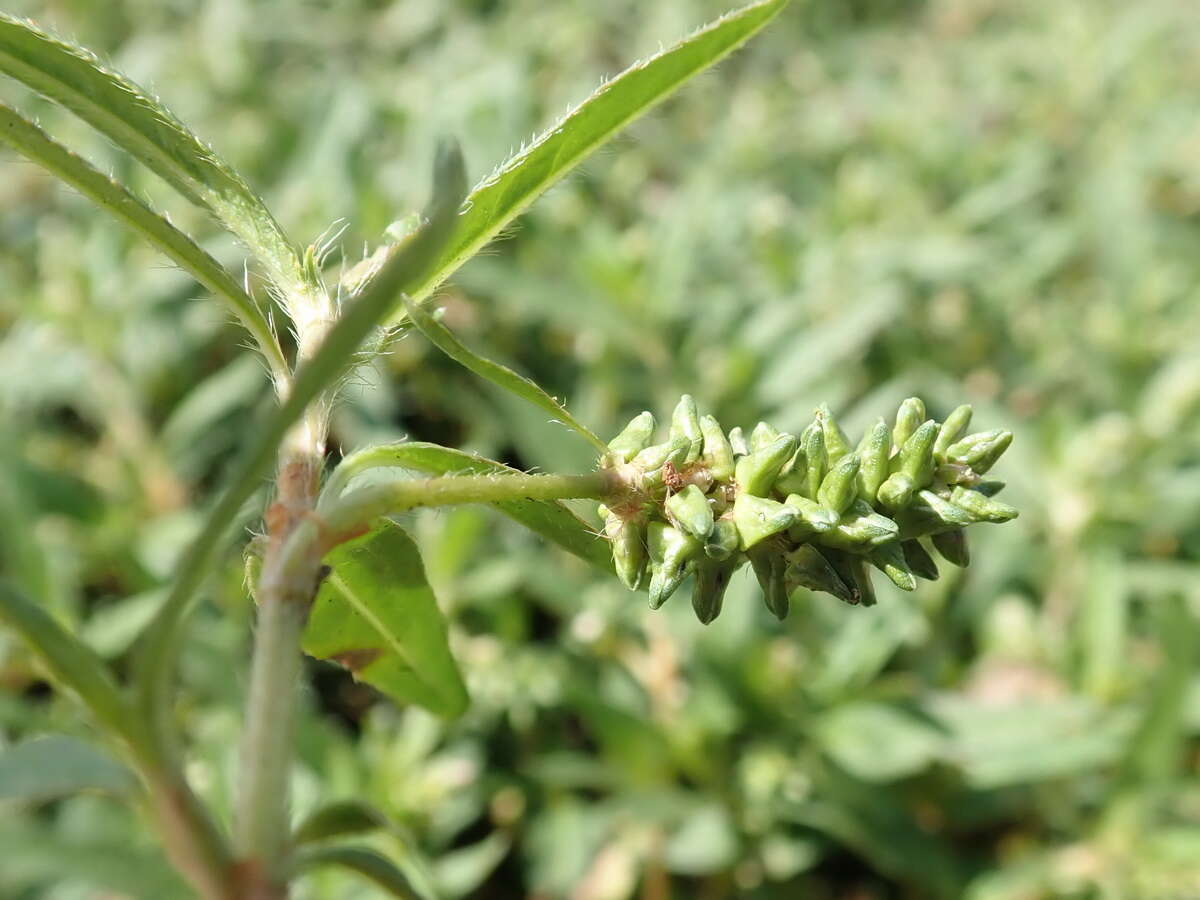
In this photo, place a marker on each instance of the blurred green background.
(971, 200)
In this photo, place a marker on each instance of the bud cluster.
(808, 511)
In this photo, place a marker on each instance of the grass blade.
(136, 122)
(442, 338)
(410, 266)
(509, 191)
(33, 143)
(548, 518)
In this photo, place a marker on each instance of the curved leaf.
(28, 139)
(442, 338)
(509, 191)
(371, 865)
(376, 615)
(548, 518)
(136, 122)
(338, 819)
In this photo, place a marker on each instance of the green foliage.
(979, 203)
(376, 615)
(55, 766)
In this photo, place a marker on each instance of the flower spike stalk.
(806, 511)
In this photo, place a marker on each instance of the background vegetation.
(965, 199)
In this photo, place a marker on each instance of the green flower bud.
(982, 507)
(889, 559)
(817, 464)
(708, 594)
(650, 458)
(840, 486)
(916, 456)
(762, 435)
(769, 567)
(724, 541)
(928, 505)
(807, 567)
(757, 518)
(815, 518)
(862, 527)
(673, 553)
(956, 423)
(689, 510)
(853, 573)
(737, 440)
(896, 493)
(673, 453)
(634, 438)
(757, 472)
(919, 560)
(837, 444)
(953, 546)
(981, 450)
(628, 537)
(956, 473)
(989, 488)
(873, 455)
(908, 418)
(717, 452)
(685, 425)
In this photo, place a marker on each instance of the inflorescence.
(807, 512)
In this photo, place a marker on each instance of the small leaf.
(371, 865)
(58, 765)
(338, 819)
(376, 615)
(509, 191)
(548, 518)
(441, 337)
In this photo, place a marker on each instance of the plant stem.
(351, 513)
(262, 831)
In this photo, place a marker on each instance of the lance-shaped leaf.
(509, 191)
(136, 122)
(70, 663)
(441, 337)
(548, 518)
(376, 615)
(25, 137)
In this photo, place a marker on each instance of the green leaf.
(878, 742)
(548, 518)
(57, 765)
(371, 865)
(327, 365)
(441, 337)
(338, 819)
(376, 615)
(70, 662)
(136, 122)
(509, 191)
(29, 140)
